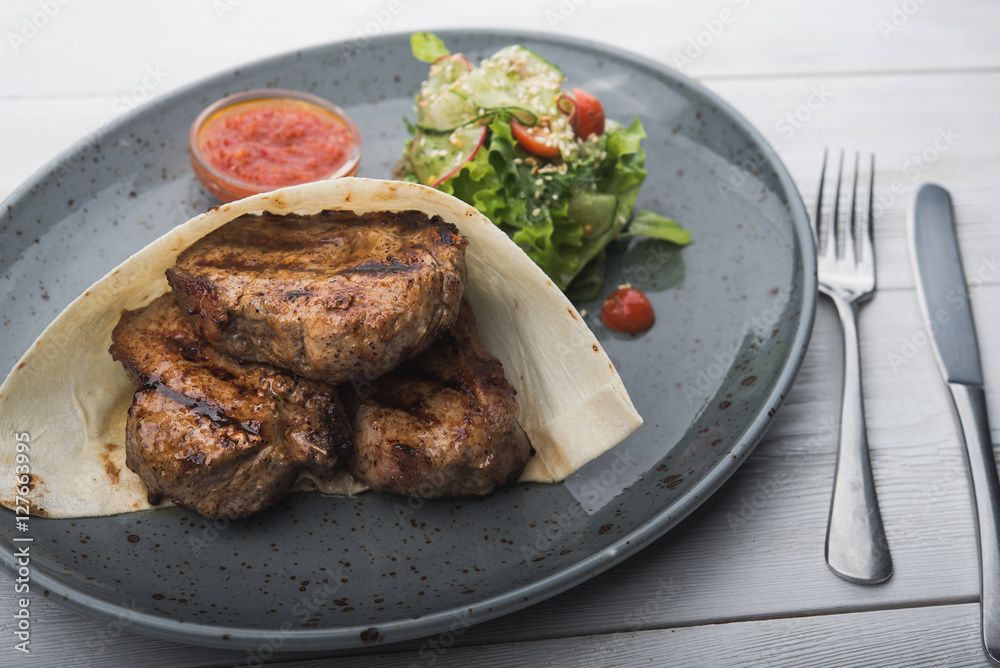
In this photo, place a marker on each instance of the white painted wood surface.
(742, 582)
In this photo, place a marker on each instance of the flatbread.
(71, 399)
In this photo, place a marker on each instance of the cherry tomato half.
(589, 117)
(534, 140)
(628, 310)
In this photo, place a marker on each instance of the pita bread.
(71, 398)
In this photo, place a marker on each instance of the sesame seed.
(536, 212)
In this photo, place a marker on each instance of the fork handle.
(856, 546)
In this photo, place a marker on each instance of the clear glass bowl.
(227, 187)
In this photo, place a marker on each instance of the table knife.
(944, 300)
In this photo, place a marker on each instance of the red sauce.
(275, 142)
(628, 310)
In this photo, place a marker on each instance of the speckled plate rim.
(640, 536)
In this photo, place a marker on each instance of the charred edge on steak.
(330, 296)
(442, 424)
(211, 433)
(201, 407)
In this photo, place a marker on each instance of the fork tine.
(868, 244)
(817, 227)
(835, 227)
(852, 226)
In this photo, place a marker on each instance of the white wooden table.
(741, 582)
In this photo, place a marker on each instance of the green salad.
(541, 162)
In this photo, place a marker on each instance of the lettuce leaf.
(562, 213)
(653, 225)
(562, 216)
(427, 47)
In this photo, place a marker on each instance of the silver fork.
(856, 546)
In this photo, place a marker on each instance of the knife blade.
(944, 301)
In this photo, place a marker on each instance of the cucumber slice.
(601, 219)
(525, 117)
(446, 112)
(444, 71)
(567, 105)
(514, 78)
(593, 211)
(587, 285)
(515, 81)
(435, 157)
(439, 108)
(445, 120)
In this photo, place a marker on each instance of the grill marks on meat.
(330, 296)
(230, 406)
(442, 424)
(210, 433)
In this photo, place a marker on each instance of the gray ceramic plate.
(734, 313)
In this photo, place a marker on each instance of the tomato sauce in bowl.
(265, 139)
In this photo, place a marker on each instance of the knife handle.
(970, 405)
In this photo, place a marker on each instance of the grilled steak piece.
(329, 296)
(442, 424)
(213, 434)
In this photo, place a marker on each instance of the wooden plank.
(188, 39)
(925, 636)
(911, 125)
(45, 128)
(939, 636)
(60, 637)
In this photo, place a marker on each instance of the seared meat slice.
(213, 434)
(329, 296)
(440, 425)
